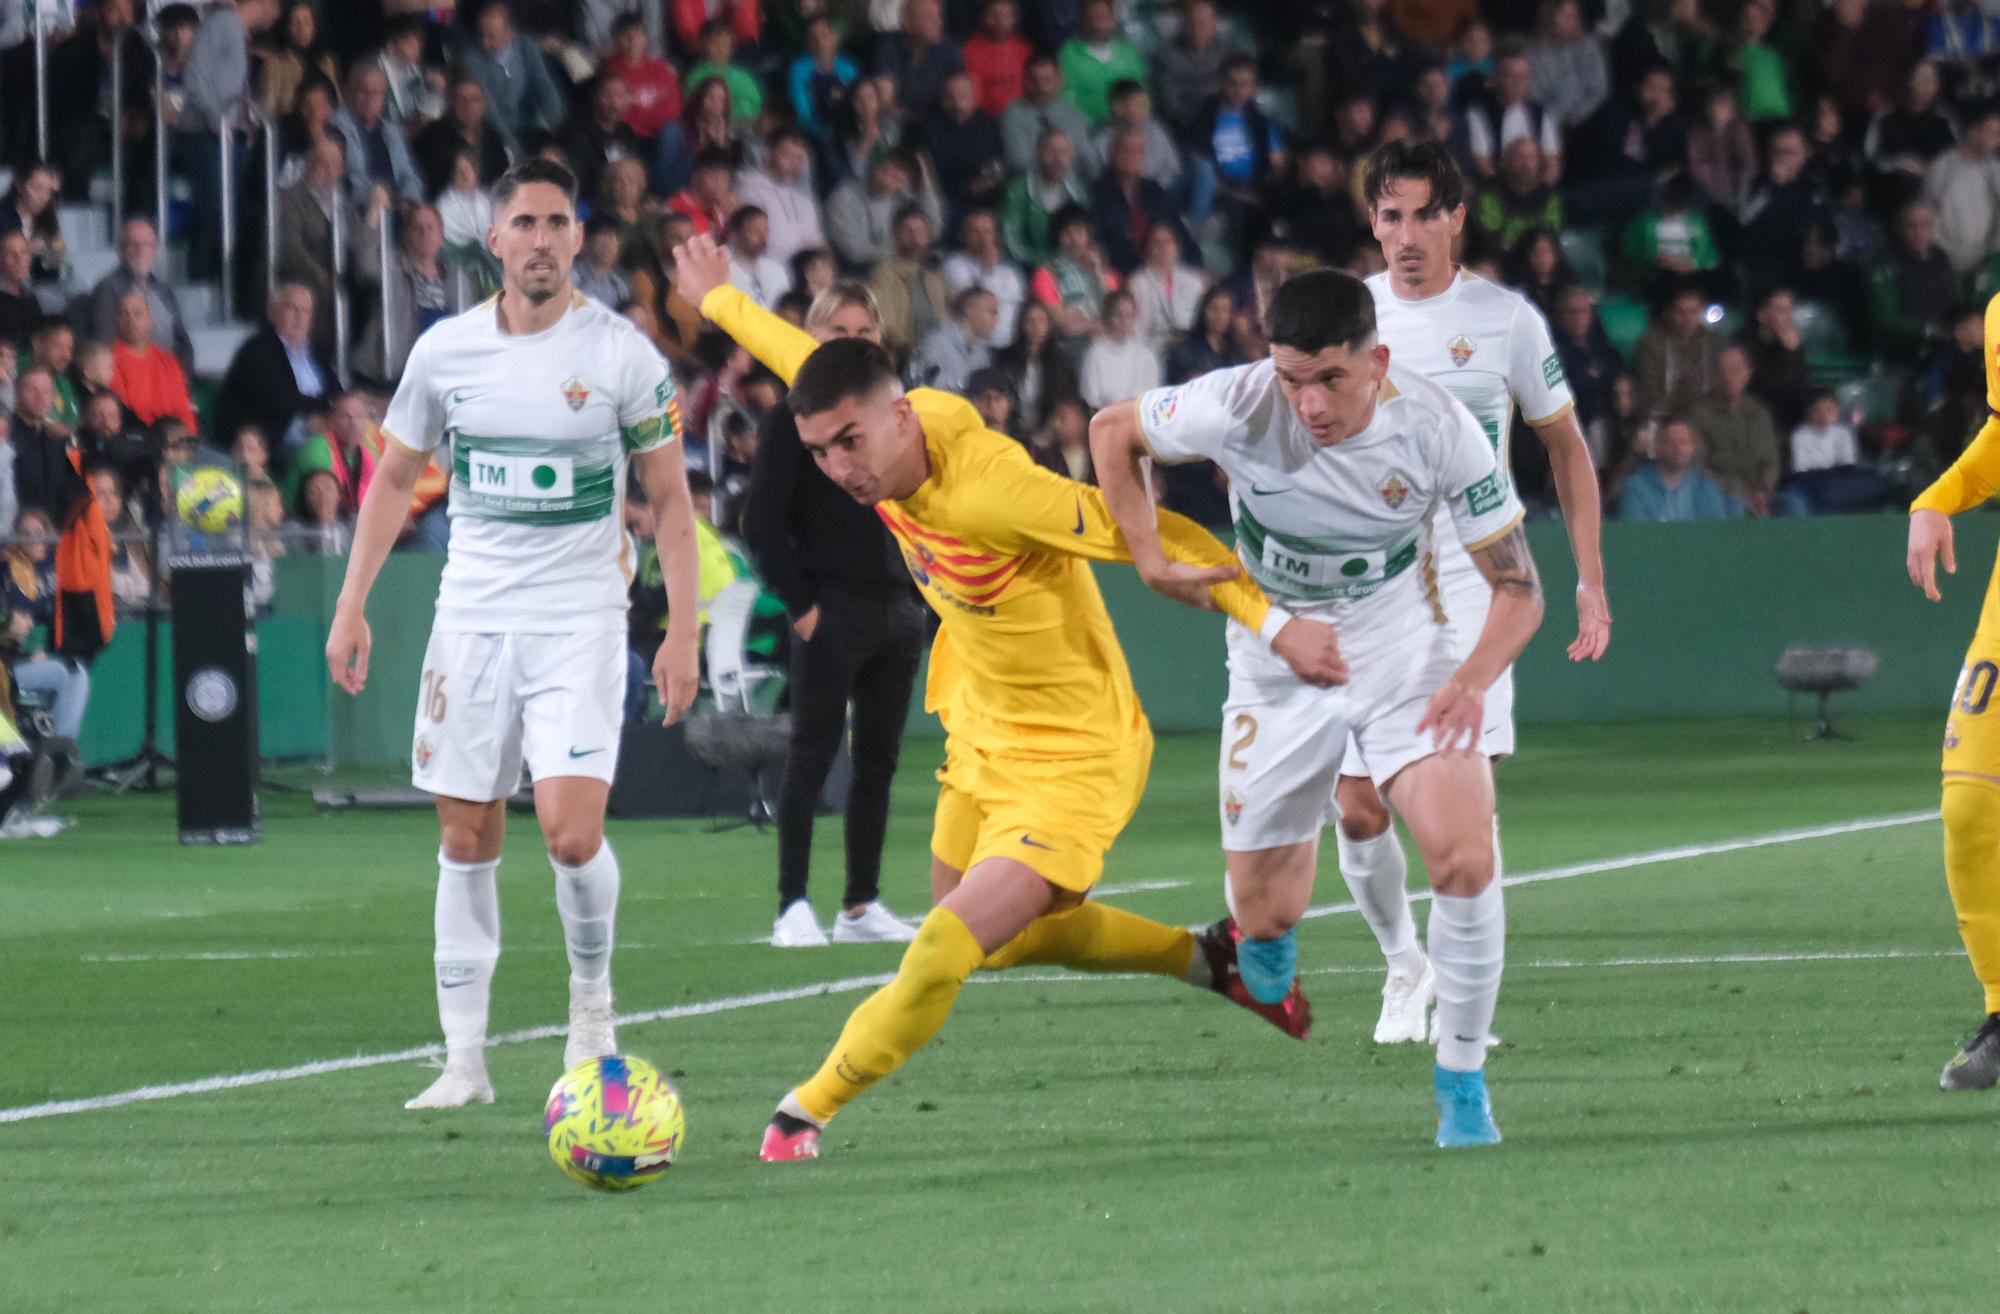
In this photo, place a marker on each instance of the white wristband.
(1276, 619)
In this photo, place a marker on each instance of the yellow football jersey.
(1975, 475)
(1026, 663)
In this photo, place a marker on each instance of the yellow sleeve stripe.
(1498, 534)
(1565, 409)
(401, 446)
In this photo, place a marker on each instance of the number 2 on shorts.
(1246, 727)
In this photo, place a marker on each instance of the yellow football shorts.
(1057, 815)
(1972, 723)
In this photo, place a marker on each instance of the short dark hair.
(403, 25)
(714, 27)
(714, 157)
(1320, 309)
(838, 371)
(909, 212)
(1420, 161)
(1239, 60)
(699, 481)
(598, 225)
(625, 22)
(533, 170)
(1125, 88)
(742, 215)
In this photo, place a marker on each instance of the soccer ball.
(614, 1123)
(210, 500)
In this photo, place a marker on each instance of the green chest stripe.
(531, 481)
(1317, 569)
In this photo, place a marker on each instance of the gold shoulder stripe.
(1549, 419)
(1388, 390)
(1498, 534)
(393, 441)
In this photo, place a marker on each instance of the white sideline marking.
(1677, 854)
(732, 1003)
(1136, 887)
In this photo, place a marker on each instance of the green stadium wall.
(1702, 613)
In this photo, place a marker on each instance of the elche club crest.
(576, 392)
(1461, 349)
(1232, 806)
(1395, 490)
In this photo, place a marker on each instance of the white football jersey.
(542, 427)
(1340, 532)
(1489, 347)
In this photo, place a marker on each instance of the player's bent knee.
(1363, 814)
(1464, 869)
(574, 848)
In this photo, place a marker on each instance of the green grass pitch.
(1717, 1084)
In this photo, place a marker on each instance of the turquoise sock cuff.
(1267, 966)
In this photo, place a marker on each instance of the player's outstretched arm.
(662, 473)
(1456, 711)
(1970, 480)
(383, 510)
(1583, 516)
(701, 275)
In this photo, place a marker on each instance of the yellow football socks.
(1094, 938)
(1972, 871)
(897, 1020)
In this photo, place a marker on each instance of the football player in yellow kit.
(1971, 729)
(1047, 749)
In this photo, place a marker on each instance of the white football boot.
(590, 1031)
(461, 1083)
(797, 928)
(874, 924)
(1406, 1000)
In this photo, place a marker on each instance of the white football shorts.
(489, 700)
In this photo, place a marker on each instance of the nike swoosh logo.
(1037, 844)
(583, 752)
(452, 985)
(460, 398)
(1268, 492)
(1079, 517)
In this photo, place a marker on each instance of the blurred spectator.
(991, 393)
(1126, 206)
(20, 309)
(416, 90)
(654, 88)
(342, 450)
(675, 325)
(919, 56)
(955, 351)
(1569, 74)
(1780, 376)
(145, 375)
(862, 218)
(1946, 396)
(306, 214)
(964, 148)
(138, 252)
(378, 154)
(463, 128)
(1036, 364)
(1630, 147)
(1963, 36)
(54, 343)
(465, 209)
(1963, 186)
(1118, 365)
(1669, 487)
(1738, 434)
(1538, 269)
(276, 376)
(783, 190)
(1318, 208)
(1909, 136)
(743, 17)
(1671, 237)
(521, 97)
(598, 136)
(1674, 361)
(1784, 209)
(252, 451)
(980, 263)
(1168, 294)
(1517, 202)
(43, 476)
(597, 273)
(718, 60)
(10, 497)
(868, 131)
(1253, 288)
(997, 57)
(1366, 48)
(1759, 68)
(105, 437)
(214, 85)
(324, 528)
(1502, 113)
(1187, 71)
(622, 200)
(1062, 444)
(1043, 191)
(1246, 147)
(30, 208)
(1095, 59)
(1590, 363)
(414, 298)
(131, 574)
(28, 589)
(1077, 279)
(1722, 155)
(908, 290)
(1210, 344)
(750, 264)
(1912, 288)
(309, 124)
(820, 77)
(1861, 52)
(1828, 475)
(1821, 441)
(1041, 110)
(81, 116)
(706, 201)
(286, 54)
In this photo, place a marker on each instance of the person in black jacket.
(860, 633)
(1125, 205)
(275, 376)
(43, 475)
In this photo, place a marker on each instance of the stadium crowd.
(1762, 236)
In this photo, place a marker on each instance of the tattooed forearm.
(1509, 567)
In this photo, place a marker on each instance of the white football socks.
(587, 899)
(1468, 940)
(1378, 876)
(467, 929)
